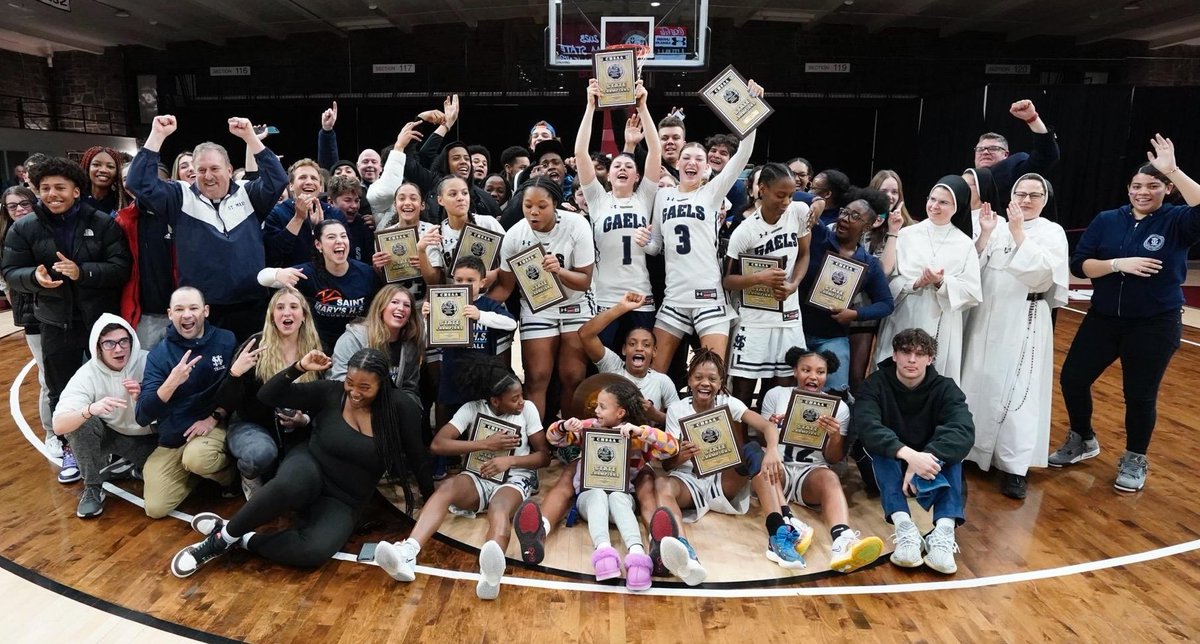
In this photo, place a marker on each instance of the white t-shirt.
(528, 420)
(571, 241)
(775, 401)
(685, 225)
(655, 387)
(756, 237)
(620, 262)
(684, 408)
(442, 257)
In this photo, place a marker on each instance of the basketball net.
(641, 51)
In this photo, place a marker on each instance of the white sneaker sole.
(205, 522)
(388, 557)
(783, 563)
(949, 570)
(491, 570)
(176, 570)
(1124, 488)
(1082, 457)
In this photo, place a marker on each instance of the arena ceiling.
(37, 27)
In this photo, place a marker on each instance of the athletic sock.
(838, 529)
(637, 549)
(898, 517)
(774, 520)
(546, 526)
(945, 522)
(226, 537)
(786, 510)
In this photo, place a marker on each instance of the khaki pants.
(170, 473)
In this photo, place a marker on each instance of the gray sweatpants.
(94, 441)
(599, 506)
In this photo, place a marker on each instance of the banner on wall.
(64, 5)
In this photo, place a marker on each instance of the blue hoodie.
(194, 399)
(1166, 235)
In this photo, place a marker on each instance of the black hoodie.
(427, 179)
(932, 417)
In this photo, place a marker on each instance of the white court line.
(747, 593)
(1067, 308)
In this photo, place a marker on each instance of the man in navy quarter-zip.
(217, 221)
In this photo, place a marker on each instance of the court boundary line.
(706, 593)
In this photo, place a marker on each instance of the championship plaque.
(837, 282)
(729, 96)
(712, 431)
(605, 464)
(616, 72)
(759, 296)
(401, 244)
(477, 242)
(800, 426)
(448, 324)
(486, 426)
(541, 287)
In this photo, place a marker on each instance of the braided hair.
(704, 355)
(385, 422)
(485, 379)
(553, 189)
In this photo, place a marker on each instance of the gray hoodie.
(94, 380)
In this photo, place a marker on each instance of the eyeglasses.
(13, 207)
(109, 345)
(990, 148)
(852, 215)
(1032, 196)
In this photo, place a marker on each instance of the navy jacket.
(1165, 235)
(1042, 158)
(286, 249)
(818, 322)
(195, 399)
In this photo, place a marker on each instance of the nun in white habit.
(936, 276)
(1008, 366)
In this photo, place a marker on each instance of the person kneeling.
(502, 483)
(907, 412)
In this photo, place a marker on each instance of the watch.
(220, 418)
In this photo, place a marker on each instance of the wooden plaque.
(616, 72)
(605, 464)
(800, 426)
(760, 297)
(401, 244)
(712, 431)
(448, 323)
(728, 95)
(478, 242)
(486, 426)
(541, 288)
(837, 282)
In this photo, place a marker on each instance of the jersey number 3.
(685, 240)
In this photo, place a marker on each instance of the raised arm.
(653, 163)
(162, 197)
(327, 145)
(583, 138)
(589, 333)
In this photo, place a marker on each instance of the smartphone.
(269, 129)
(367, 554)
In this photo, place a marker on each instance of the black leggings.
(325, 525)
(1145, 347)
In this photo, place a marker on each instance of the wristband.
(1032, 119)
(1115, 269)
(86, 412)
(1173, 171)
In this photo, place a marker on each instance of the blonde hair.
(378, 336)
(271, 361)
(302, 163)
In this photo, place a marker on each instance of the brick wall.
(24, 90)
(82, 92)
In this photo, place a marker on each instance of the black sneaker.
(531, 533)
(118, 469)
(186, 562)
(91, 503)
(662, 525)
(1014, 486)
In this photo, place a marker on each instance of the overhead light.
(655, 4)
(848, 3)
(1132, 6)
(153, 22)
(122, 14)
(17, 5)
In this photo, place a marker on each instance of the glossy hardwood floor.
(1071, 517)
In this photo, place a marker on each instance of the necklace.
(935, 248)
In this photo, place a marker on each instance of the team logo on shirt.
(788, 316)
(1154, 242)
(449, 308)
(705, 294)
(731, 96)
(218, 363)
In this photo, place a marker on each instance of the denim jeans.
(947, 502)
(254, 448)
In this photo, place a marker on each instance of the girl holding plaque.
(807, 479)
(549, 338)
(506, 430)
(684, 492)
(441, 245)
(687, 223)
(936, 276)
(618, 407)
(777, 229)
(620, 219)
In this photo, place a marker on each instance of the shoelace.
(1132, 467)
(843, 542)
(939, 539)
(906, 538)
(211, 546)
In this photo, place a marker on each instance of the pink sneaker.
(607, 563)
(638, 570)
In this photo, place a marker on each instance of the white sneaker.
(206, 522)
(491, 569)
(398, 559)
(941, 547)
(54, 445)
(851, 552)
(908, 545)
(677, 558)
(250, 486)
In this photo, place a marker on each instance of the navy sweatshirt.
(818, 322)
(193, 400)
(1166, 235)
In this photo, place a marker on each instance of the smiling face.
(890, 188)
(213, 174)
(348, 203)
(369, 165)
(718, 156)
(672, 142)
(608, 411)
(538, 134)
(187, 313)
(344, 171)
(186, 170)
(334, 244)
(397, 311)
(1146, 193)
(802, 173)
(539, 208)
(496, 187)
(1030, 197)
(511, 402)
(692, 166)
(455, 197)
(479, 166)
(17, 206)
(458, 161)
(623, 174)
(306, 180)
(820, 187)
(102, 171)
(638, 352)
(705, 382)
(811, 371)
(408, 204)
(940, 206)
(852, 220)
(58, 194)
(115, 347)
(287, 315)
(361, 387)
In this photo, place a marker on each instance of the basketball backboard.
(675, 30)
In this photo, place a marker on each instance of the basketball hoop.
(642, 52)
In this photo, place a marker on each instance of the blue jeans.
(840, 347)
(947, 502)
(254, 448)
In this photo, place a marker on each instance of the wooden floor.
(1071, 518)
